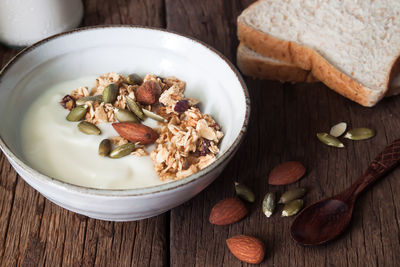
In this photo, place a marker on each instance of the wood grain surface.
(284, 121)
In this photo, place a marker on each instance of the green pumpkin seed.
(110, 93)
(292, 207)
(94, 98)
(88, 128)
(292, 194)
(338, 129)
(360, 134)
(268, 205)
(154, 116)
(244, 192)
(104, 147)
(329, 140)
(133, 79)
(124, 115)
(122, 151)
(77, 113)
(134, 107)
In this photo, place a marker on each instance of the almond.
(286, 173)
(246, 248)
(227, 211)
(148, 93)
(136, 132)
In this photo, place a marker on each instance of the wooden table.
(284, 121)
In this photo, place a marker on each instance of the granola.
(187, 140)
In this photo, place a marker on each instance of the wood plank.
(35, 232)
(284, 121)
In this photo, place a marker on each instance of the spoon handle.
(381, 165)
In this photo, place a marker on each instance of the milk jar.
(24, 22)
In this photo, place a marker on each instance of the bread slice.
(256, 65)
(351, 46)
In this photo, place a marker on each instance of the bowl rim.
(135, 191)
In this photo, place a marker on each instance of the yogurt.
(55, 146)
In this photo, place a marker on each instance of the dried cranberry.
(181, 106)
(68, 102)
(204, 147)
(216, 126)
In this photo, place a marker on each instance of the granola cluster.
(101, 112)
(188, 142)
(187, 139)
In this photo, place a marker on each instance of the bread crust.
(269, 70)
(308, 59)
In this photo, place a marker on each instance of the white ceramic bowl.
(92, 51)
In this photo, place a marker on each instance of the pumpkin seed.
(88, 128)
(124, 115)
(94, 98)
(292, 194)
(110, 93)
(329, 140)
(134, 107)
(292, 207)
(77, 113)
(104, 147)
(244, 192)
(122, 151)
(268, 205)
(360, 134)
(133, 79)
(154, 116)
(338, 129)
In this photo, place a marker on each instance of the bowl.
(97, 50)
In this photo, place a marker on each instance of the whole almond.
(246, 248)
(227, 211)
(136, 132)
(148, 93)
(286, 173)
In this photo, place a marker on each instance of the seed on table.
(338, 129)
(227, 211)
(268, 205)
(359, 134)
(286, 173)
(244, 192)
(292, 208)
(329, 140)
(292, 194)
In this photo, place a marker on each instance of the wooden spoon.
(326, 219)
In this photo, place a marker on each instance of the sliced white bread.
(258, 66)
(351, 46)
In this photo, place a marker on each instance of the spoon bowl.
(329, 216)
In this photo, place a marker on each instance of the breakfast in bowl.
(149, 119)
(66, 135)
